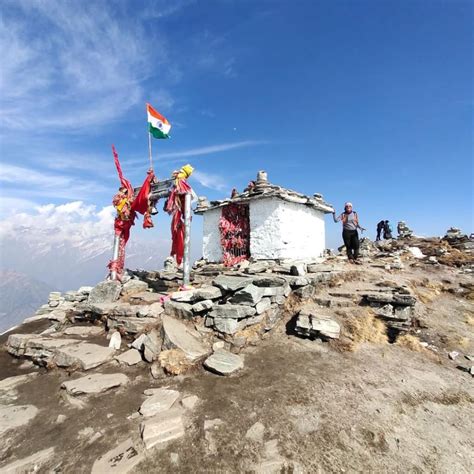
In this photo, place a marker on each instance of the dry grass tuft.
(410, 342)
(174, 362)
(360, 328)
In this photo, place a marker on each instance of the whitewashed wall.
(280, 229)
(211, 238)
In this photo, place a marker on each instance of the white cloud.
(210, 180)
(86, 70)
(208, 150)
(39, 183)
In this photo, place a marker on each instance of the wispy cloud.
(210, 180)
(208, 150)
(39, 183)
(88, 70)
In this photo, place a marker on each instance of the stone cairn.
(404, 232)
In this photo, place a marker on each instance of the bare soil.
(378, 407)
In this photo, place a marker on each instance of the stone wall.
(278, 229)
(211, 239)
(281, 229)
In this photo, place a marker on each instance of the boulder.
(258, 267)
(138, 342)
(263, 305)
(130, 357)
(228, 326)
(133, 287)
(150, 311)
(190, 402)
(86, 356)
(131, 325)
(152, 346)
(317, 326)
(250, 296)
(231, 283)
(208, 292)
(84, 331)
(178, 310)
(165, 426)
(105, 292)
(298, 269)
(202, 306)
(232, 311)
(223, 362)
(95, 383)
(162, 400)
(185, 296)
(144, 298)
(177, 335)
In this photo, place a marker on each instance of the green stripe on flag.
(156, 132)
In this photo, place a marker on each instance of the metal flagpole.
(187, 239)
(149, 150)
(115, 255)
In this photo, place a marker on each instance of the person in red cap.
(350, 224)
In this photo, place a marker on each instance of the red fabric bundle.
(235, 234)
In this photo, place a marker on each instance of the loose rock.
(162, 400)
(163, 427)
(223, 362)
(95, 383)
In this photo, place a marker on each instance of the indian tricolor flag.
(158, 126)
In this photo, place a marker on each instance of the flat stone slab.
(85, 355)
(232, 311)
(105, 292)
(121, 459)
(130, 357)
(161, 400)
(29, 464)
(231, 283)
(249, 295)
(316, 325)
(176, 335)
(84, 331)
(13, 416)
(223, 362)
(161, 428)
(145, 297)
(95, 383)
(34, 346)
(131, 325)
(11, 383)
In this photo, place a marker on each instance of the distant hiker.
(234, 193)
(350, 224)
(380, 227)
(387, 231)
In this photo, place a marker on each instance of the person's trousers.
(351, 241)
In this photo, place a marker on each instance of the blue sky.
(367, 101)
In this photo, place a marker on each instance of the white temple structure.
(265, 222)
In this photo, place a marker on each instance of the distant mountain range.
(20, 297)
(70, 264)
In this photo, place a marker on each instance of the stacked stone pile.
(174, 329)
(404, 232)
(395, 306)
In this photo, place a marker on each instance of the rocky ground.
(268, 367)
